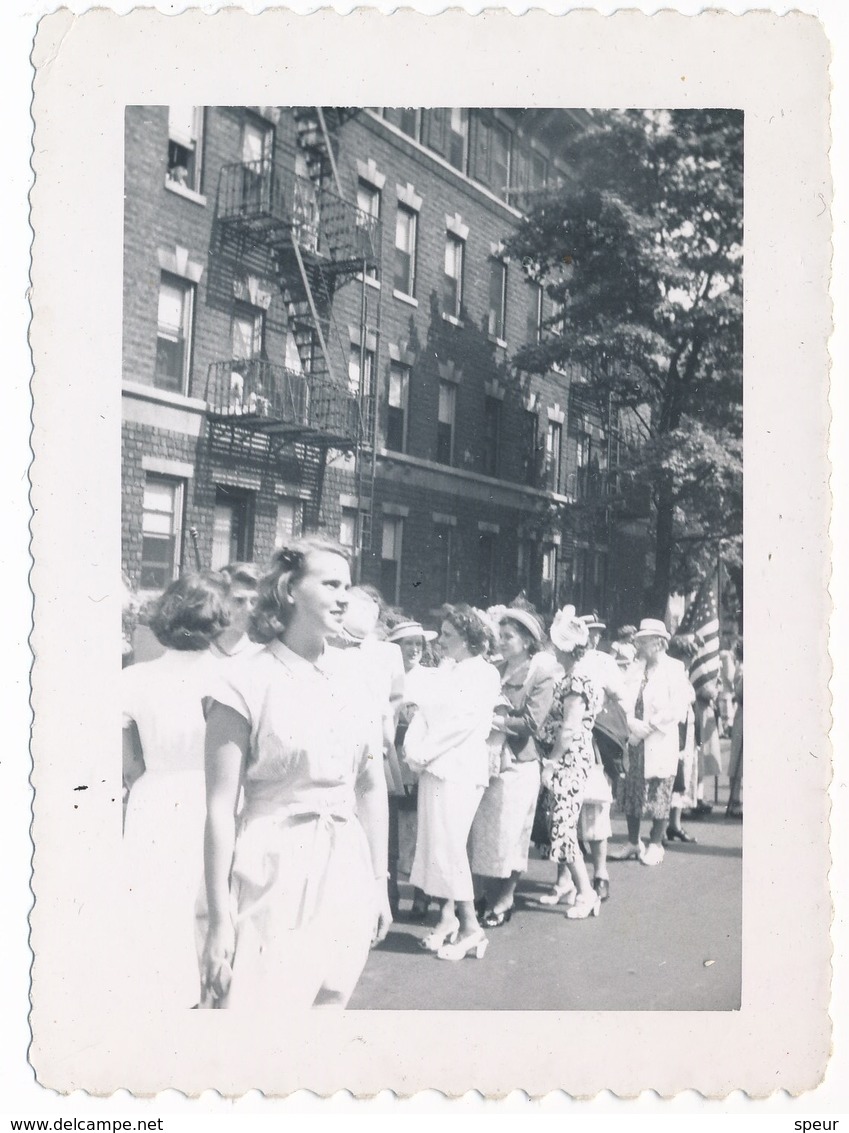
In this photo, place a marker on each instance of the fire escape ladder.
(365, 453)
(319, 325)
(316, 142)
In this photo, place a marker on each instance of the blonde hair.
(270, 617)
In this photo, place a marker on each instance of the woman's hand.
(638, 730)
(384, 913)
(217, 960)
(548, 768)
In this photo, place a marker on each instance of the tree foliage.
(642, 253)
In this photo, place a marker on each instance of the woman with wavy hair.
(567, 741)
(296, 883)
(447, 744)
(163, 742)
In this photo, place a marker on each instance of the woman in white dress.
(447, 743)
(163, 741)
(501, 832)
(296, 883)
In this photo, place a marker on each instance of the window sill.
(452, 319)
(182, 191)
(370, 281)
(499, 342)
(403, 297)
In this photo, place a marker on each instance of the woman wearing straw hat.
(567, 736)
(501, 832)
(653, 743)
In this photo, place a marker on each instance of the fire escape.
(315, 243)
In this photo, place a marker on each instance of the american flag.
(702, 619)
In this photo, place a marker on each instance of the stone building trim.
(489, 528)
(555, 413)
(356, 337)
(236, 478)
(443, 520)
(450, 372)
(400, 352)
(531, 402)
(367, 171)
(456, 226)
(161, 466)
(346, 500)
(401, 511)
(408, 196)
(176, 261)
(256, 292)
(495, 388)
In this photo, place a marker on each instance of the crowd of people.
(291, 726)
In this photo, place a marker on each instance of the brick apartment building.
(319, 320)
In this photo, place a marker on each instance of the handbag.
(611, 752)
(543, 817)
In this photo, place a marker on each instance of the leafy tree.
(641, 250)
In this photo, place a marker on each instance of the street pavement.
(669, 939)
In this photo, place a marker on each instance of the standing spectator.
(684, 794)
(501, 832)
(566, 737)
(447, 743)
(242, 580)
(163, 775)
(653, 743)
(735, 770)
(296, 887)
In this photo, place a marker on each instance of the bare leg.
(466, 916)
(658, 827)
(633, 828)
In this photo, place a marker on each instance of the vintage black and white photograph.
(389, 545)
(432, 494)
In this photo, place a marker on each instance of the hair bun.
(289, 559)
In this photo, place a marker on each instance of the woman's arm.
(373, 811)
(133, 758)
(227, 741)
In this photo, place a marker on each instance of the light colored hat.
(411, 629)
(652, 627)
(524, 618)
(360, 617)
(568, 631)
(593, 622)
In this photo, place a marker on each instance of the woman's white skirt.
(446, 811)
(501, 832)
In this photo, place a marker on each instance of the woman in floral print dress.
(567, 736)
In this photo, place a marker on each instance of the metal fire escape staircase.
(317, 242)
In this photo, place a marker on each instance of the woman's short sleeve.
(130, 694)
(231, 684)
(575, 685)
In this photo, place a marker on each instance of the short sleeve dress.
(302, 880)
(569, 779)
(163, 830)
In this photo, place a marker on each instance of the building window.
(368, 217)
(248, 333)
(525, 575)
(185, 146)
(174, 333)
(162, 524)
(500, 174)
(257, 142)
(487, 583)
(549, 577)
(290, 522)
(531, 448)
(363, 388)
(396, 408)
(553, 438)
(232, 535)
(496, 326)
(409, 121)
(445, 422)
(452, 283)
(443, 540)
(390, 559)
(458, 138)
(539, 171)
(535, 311)
(405, 250)
(492, 435)
(348, 527)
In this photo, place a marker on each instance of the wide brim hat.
(568, 632)
(652, 627)
(593, 622)
(525, 619)
(405, 630)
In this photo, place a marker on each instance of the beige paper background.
(776, 70)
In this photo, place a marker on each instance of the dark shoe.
(480, 908)
(602, 888)
(677, 834)
(734, 810)
(702, 810)
(419, 910)
(491, 919)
